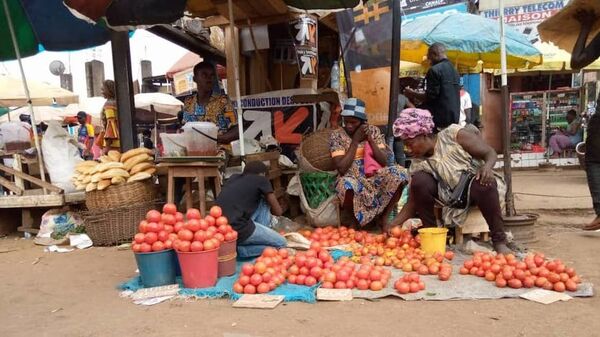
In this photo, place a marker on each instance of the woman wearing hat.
(438, 165)
(370, 196)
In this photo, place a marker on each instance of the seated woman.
(569, 138)
(249, 203)
(368, 197)
(439, 162)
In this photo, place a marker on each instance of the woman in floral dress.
(371, 198)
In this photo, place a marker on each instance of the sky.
(143, 45)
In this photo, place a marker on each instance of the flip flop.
(591, 227)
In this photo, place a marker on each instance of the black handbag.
(457, 197)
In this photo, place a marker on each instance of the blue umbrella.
(468, 39)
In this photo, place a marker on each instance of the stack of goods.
(114, 169)
(267, 273)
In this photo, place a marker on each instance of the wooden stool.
(189, 170)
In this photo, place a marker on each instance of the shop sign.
(304, 33)
(274, 114)
(525, 18)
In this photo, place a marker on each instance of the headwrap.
(354, 107)
(413, 122)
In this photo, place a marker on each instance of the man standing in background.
(85, 136)
(466, 107)
(441, 96)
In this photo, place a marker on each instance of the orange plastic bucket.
(199, 269)
(227, 256)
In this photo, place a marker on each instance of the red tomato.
(168, 219)
(300, 260)
(200, 236)
(284, 253)
(362, 284)
(185, 235)
(163, 236)
(238, 288)
(221, 221)
(310, 281)
(247, 269)
(150, 238)
(464, 271)
(292, 279)
(178, 227)
(179, 217)
(142, 226)
(153, 216)
(340, 285)
(403, 287)
(168, 229)
(168, 244)
(571, 285)
(220, 237)
(443, 276)
(500, 282)
(215, 211)
(192, 225)
(158, 246)
(139, 237)
(249, 289)
(210, 220)
(230, 236)
(329, 285)
(377, 286)
(263, 288)
(342, 275)
(152, 227)
(170, 209)
(300, 279)
(184, 246)
(203, 225)
(193, 213)
(136, 247)
(145, 248)
(528, 282)
(244, 280)
(173, 237)
(196, 246)
(515, 283)
(559, 286)
(449, 255)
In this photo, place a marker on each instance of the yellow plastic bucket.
(433, 239)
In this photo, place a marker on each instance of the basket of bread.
(117, 180)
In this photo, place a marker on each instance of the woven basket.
(115, 226)
(315, 149)
(121, 195)
(317, 186)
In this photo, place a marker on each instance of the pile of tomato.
(308, 267)
(192, 233)
(346, 274)
(533, 271)
(267, 273)
(409, 283)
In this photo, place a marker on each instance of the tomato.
(153, 216)
(414, 287)
(230, 237)
(500, 282)
(178, 227)
(315, 246)
(553, 277)
(300, 279)
(168, 244)
(340, 285)
(220, 237)
(528, 282)
(559, 286)
(519, 274)
(540, 281)
(515, 283)
(221, 221)
(444, 276)
(150, 238)
(403, 287)
(193, 213)
(342, 275)
(260, 267)
(136, 247)
(316, 272)
(184, 246)
(196, 246)
(192, 225)
(209, 244)
(179, 217)
(376, 286)
(249, 289)
(449, 255)
(300, 260)
(292, 279)
(168, 229)
(145, 247)
(464, 271)
(571, 285)
(139, 237)
(185, 235)
(215, 211)
(247, 269)
(328, 285)
(173, 237)
(142, 227)
(490, 276)
(238, 288)
(152, 227)
(158, 246)
(244, 280)
(163, 236)
(263, 288)
(310, 281)
(210, 220)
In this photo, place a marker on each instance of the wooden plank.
(258, 301)
(75, 197)
(32, 201)
(28, 229)
(11, 186)
(263, 156)
(31, 179)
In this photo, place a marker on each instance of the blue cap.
(354, 107)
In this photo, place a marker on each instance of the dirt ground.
(74, 294)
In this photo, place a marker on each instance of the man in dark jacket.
(442, 94)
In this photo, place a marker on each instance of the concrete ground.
(73, 294)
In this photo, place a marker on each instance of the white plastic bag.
(327, 214)
(14, 133)
(60, 156)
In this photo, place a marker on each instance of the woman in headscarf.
(109, 118)
(370, 196)
(439, 162)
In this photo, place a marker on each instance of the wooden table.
(193, 169)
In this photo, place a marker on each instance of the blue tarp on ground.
(224, 286)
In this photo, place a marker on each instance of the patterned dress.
(217, 110)
(371, 194)
(111, 129)
(450, 159)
